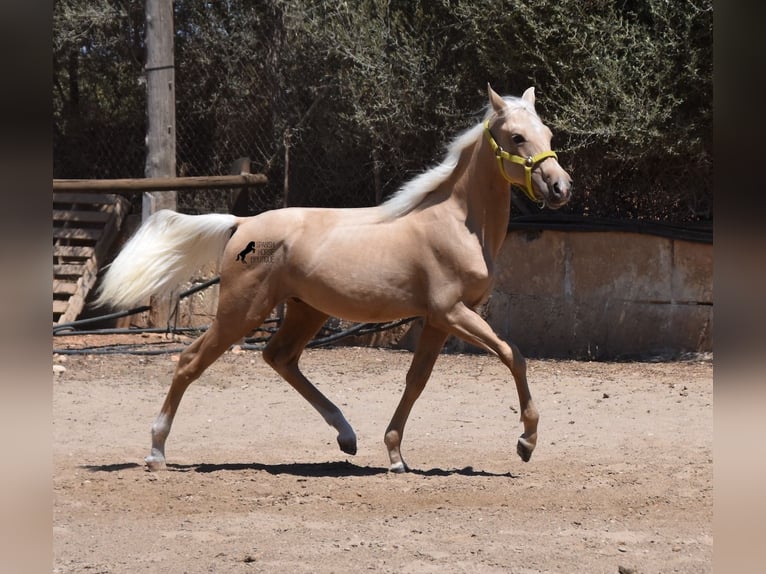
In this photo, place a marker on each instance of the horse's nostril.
(561, 190)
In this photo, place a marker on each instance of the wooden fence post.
(161, 115)
(160, 103)
(239, 199)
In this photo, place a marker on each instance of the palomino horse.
(429, 251)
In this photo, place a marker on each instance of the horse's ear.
(497, 103)
(529, 95)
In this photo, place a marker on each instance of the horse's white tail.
(163, 253)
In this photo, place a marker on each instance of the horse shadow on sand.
(301, 469)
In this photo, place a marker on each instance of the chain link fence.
(304, 165)
(234, 100)
(339, 105)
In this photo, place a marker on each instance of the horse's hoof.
(155, 463)
(398, 468)
(524, 449)
(347, 446)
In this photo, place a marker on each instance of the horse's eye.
(518, 139)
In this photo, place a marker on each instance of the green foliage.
(98, 101)
(628, 89)
(363, 94)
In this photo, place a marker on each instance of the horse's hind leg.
(300, 324)
(191, 364)
(427, 351)
(469, 326)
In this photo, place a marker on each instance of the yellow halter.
(529, 163)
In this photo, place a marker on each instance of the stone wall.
(603, 295)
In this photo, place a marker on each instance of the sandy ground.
(621, 481)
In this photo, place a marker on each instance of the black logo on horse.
(249, 249)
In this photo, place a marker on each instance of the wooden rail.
(158, 183)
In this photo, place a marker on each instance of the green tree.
(363, 94)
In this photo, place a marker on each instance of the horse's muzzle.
(559, 193)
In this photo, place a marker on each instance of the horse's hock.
(603, 295)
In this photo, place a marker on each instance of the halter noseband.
(529, 163)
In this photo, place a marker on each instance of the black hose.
(359, 329)
(701, 232)
(75, 324)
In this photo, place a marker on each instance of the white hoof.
(154, 462)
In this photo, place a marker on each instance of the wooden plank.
(82, 216)
(73, 251)
(159, 183)
(82, 278)
(85, 198)
(68, 270)
(76, 233)
(111, 229)
(64, 287)
(76, 302)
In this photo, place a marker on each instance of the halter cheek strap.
(528, 163)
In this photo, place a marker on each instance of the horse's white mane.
(412, 193)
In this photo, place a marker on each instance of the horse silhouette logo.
(249, 249)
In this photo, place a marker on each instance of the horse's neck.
(484, 197)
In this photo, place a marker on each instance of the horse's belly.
(360, 314)
(364, 291)
(356, 301)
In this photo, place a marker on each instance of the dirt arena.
(621, 480)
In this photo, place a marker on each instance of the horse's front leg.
(469, 326)
(427, 351)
